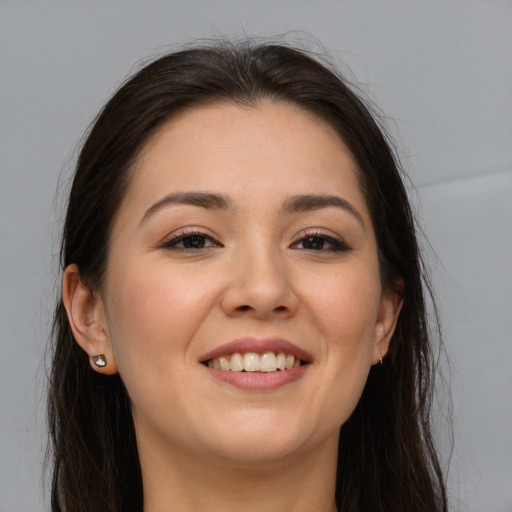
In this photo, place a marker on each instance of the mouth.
(267, 362)
(257, 364)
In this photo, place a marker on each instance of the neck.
(298, 483)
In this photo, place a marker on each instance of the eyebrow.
(206, 200)
(212, 201)
(306, 203)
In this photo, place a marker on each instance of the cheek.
(154, 313)
(345, 305)
(345, 309)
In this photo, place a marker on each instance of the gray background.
(441, 71)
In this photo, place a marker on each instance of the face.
(244, 239)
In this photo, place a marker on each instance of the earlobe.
(87, 319)
(389, 310)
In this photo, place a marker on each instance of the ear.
(390, 306)
(87, 318)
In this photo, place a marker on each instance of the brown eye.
(315, 243)
(320, 243)
(194, 242)
(190, 241)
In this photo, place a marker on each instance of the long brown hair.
(386, 457)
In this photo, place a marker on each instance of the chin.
(261, 442)
(257, 454)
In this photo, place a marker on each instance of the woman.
(242, 323)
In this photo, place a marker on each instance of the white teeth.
(268, 362)
(281, 361)
(237, 363)
(251, 362)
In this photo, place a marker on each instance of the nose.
(260, 287)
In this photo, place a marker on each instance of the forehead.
(265, 151)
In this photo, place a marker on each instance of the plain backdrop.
(442, 73)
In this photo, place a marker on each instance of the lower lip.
(258, 381)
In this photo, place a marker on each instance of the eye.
(320, 242)
(190, 241)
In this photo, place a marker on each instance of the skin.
(204, 444)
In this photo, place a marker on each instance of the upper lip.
(259, 346)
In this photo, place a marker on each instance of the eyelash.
(173, 242)
(335, 243)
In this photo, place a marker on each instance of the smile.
(257, 364)
(252, 362)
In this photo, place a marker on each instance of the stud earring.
(381, 361)
(100, 361)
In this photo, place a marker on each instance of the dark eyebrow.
(206, 200)
(306, 203)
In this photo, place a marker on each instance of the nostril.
(244, 308)
(280, 308)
